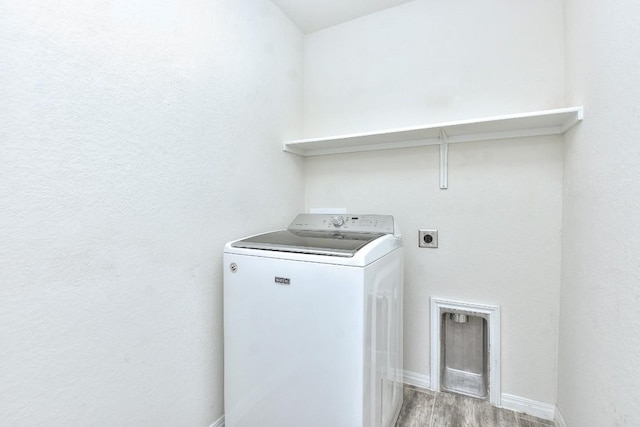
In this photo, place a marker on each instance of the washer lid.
(332, 243)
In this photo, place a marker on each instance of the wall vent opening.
(465, 349)
(464, 358)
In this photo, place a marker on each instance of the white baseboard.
(558, 419)
(528, 406)
(219, 423)
(418, 380)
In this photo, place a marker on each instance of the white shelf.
(548, 122)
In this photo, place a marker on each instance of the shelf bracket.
(444, 160)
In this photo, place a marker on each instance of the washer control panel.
(346, 223)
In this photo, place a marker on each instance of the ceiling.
(314, 15)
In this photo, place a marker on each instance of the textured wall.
(135, 139)
(499, 222)
(600, 321)
(432, 61)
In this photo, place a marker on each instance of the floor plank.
(451, 410)
(525, 420)
(425, 408)
(487, 415)
(416, 409)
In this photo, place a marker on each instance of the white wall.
(499, 222)
(136, 138)
(432, 61)
(600, 321)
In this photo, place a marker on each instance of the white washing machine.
(313, 324)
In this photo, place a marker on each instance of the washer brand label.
(283, 280)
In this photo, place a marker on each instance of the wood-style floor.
(425, 408)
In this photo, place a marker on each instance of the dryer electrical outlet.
(427, 238)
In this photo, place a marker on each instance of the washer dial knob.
(337, 221)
